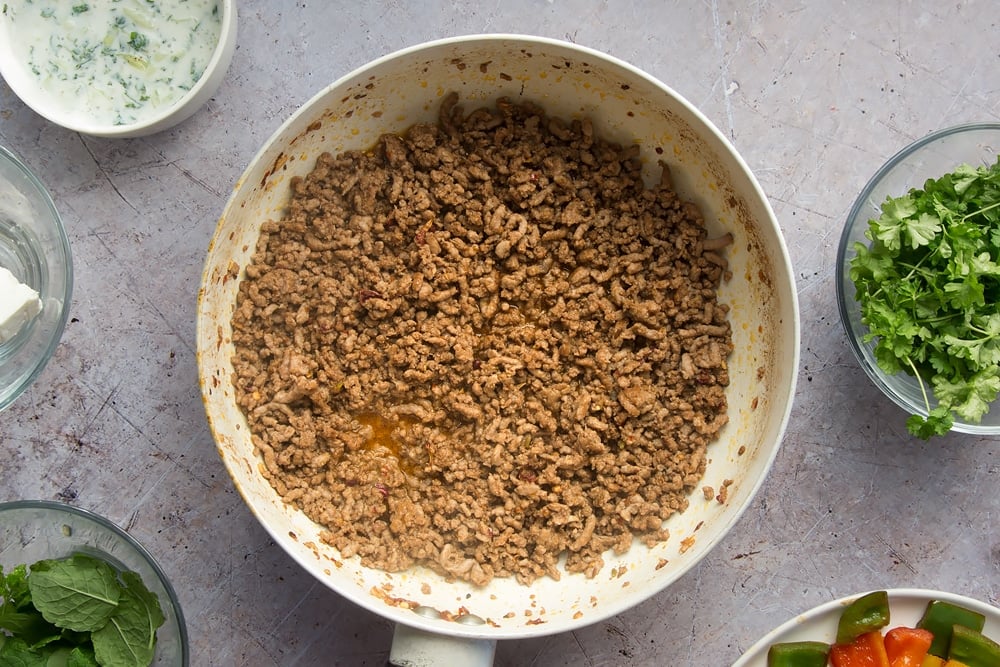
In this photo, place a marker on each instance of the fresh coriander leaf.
(983, 264)
(982, 347)
(944, 210)
(871, 266)
(79, 593)
(966, 294)
(963, 177)
(888, 361)
(899, 209)
(81, 8)
(982, 389)
(129, 637)
(938, 422)
(928, 285)
(889, 227)
(923, 229)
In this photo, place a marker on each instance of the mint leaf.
(129, 638)
(17, 615)
(80, 657)
(29, 626)
(79, 593)
(57, 657)
(15, 652)
(14, 587)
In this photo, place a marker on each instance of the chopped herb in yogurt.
(115, 62)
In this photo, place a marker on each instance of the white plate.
(906, 606)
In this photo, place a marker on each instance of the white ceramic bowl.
(626, 105)
(929, 157)
(26, 84)
(819, 624)
(34, 248)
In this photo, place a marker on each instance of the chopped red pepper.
(868, 650)
(907, 647)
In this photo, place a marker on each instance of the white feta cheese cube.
(18, 305)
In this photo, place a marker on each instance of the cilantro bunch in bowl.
(919, 280)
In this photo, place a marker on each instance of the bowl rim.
(227, 37)
(56, 506)
(65, 299)
(844, 299)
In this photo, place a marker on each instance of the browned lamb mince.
(484, 344)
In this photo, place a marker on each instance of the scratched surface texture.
(815, 95)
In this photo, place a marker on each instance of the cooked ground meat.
(484, 344)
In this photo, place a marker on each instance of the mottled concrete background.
(815, 95)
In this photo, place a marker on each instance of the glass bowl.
(31, 530)
(33, 247)
(930, 157)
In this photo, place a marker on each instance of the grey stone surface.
(815, 95)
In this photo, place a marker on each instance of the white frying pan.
(441, 622)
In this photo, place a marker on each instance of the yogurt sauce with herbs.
(116, 62)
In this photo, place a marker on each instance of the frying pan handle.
(419, 648)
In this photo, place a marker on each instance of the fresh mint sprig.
(78, 612)
(929, 289)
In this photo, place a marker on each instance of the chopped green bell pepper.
(867, 613)
(940, 617)
(973, 648)
(798, 654)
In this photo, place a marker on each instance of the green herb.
(81, 8)
(137, 41)
(83, 53)
(79, 593)
(929, 289)
(78, 612)
(130, 636)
